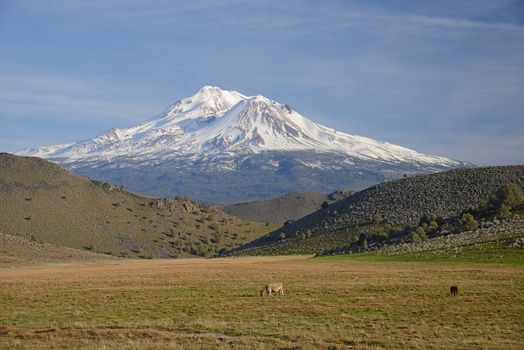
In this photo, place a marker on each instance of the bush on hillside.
(378, 219)
(468, 222)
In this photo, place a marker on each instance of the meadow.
(329, 303)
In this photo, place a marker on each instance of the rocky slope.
(401, 203)
(43, 202)
(221, 146)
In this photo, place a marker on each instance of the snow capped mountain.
(216, 121)
(221, 130)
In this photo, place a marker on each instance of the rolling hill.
(15, 250)
(399, 204)
(278, 210)
(42, 202)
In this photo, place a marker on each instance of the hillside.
(15, 250)
(43, 202)
(278, 210)
(398, 204)
(220, 146)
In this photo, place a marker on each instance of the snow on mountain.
(220, 146)
(221, 122)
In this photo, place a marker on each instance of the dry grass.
(215, 304)
(43, 202)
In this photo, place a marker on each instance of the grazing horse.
(272, 287)
(454, 290)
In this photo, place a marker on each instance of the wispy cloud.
(423, 74)
(55, 96)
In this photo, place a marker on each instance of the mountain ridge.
(222, 132)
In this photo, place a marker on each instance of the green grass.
(513, 256)
(329, 302)
(494, 252)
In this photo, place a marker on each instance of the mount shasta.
(221, 146)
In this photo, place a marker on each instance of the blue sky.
(442, 77)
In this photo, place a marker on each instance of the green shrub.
(421, 232)
(308, 233)
(414, 237)
(378, 219)
(504, 212)
(510, 195)
(468, 222)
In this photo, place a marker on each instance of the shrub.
(308, 233)
(433, 224)
(504, 212)
(468, 222)
(325, 204)
(282, 236)
(510, 195)
(414, 237)
(378, 219)
(421, 232)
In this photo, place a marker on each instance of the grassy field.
(330, 303)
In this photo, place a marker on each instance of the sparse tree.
(468, 222)
(511, 195)
(421, 232)
(504, 212)
(414, 237)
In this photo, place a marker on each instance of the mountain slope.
(219, 133)
(18, 250)
(43, 202)
(401, 203)
(279, 210)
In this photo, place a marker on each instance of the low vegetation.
(504, 203)
(41, 201)
(16, 251)
(334, 302)
(278, 210)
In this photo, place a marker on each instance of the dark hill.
(278, 210)
(43, 202)
(401, 202)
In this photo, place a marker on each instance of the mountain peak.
(215, 122)
(218, 131)
(207, 101)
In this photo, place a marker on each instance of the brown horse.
(454, 290)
